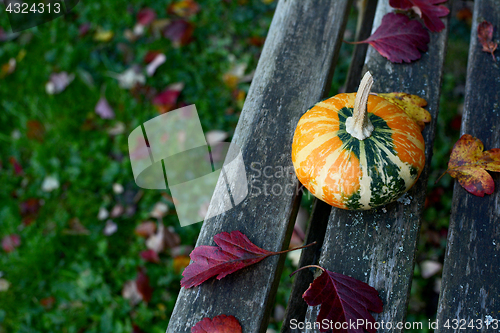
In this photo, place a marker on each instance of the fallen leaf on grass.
(216, 136)
(83, 29)
(4, 285)
(343, 299)
(146, 16)
(129, 78)
(76, 228)
(155, 63)
(233, 252)
(159, 210)
(35, 130)
(8, 68)
(469, 162)
(485, 36)
(184, 8)
(29, 210)
(102, 35)
(18, 169)
(150, 256)
(166, 100)
(10, 242)
(165, 238)
(399, 39)
(180, 263)
(180, 32)
(50, 183)
(219, 324)
(58, 82)
(412, 105)
(103, 109)
(145, 229)
(428, 10)
(110, 228)
(143, 286)
(48, 302)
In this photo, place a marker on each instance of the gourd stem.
(359, 125)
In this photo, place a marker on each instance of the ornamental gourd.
(357, 151)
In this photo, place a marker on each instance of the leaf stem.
(296, 248)
(359, 125)
(444, 173)
(308, 266)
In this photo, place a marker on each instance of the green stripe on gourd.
(387, 177)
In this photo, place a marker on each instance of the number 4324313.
(36, 8)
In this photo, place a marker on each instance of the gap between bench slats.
(378, 246)
(470, 287)
(294, 71)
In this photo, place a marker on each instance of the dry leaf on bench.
(399, 39)
(219, 324)
(234, 252)
(469, 162)
(412, 105)
(429, 10)
(343, 299)
(485, 36)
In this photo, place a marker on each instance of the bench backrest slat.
(470, 286)
(293, 73)
(378, 246)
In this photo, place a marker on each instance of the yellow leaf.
(103, 35)
(181, 262)
(412, 105)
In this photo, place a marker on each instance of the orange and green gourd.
(357, 151)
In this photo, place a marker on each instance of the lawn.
(73, 223)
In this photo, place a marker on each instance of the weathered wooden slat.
(378, 246)
(293, 73)
(296, 308)
(470, 289)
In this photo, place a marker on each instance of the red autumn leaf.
(10, 242)
(180, 32)
(48, 302)
(485, 36)
(426, 9)
(399, 39)
(146, 16)
(184, 8)
(83, 29)
(150, 256)
(143, 286)
(343, 299)
(35, 130)
(150, 56)
(136, 329)
(166, 100)
(234, 252)
(29, 209)
(469, 162)
(18, 170)
(219, 324)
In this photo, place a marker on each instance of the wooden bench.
(376, 246)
